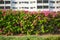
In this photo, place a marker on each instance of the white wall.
(24, 5)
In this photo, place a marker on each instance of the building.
(5, 4)
(31, 5)
(51, 5)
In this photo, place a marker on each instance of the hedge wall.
(29, 23)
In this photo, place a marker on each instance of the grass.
(30, 37)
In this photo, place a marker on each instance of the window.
(58, 1)
(14, 7)
(1, 7)
(1, 2)
(52, 7)
(7, 2)
(39, 7)
(52, 1)
(24, 7)
(39, 1)
(32, 7)
(32, 2)
(7, 7)
(26, 2)
(45, 6)
(20, 2)
(45, 1)
(14, 2)
(58, 7)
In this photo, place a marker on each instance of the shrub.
(24, 22)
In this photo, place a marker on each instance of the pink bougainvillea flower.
(26, 11)
(0, 31)
(39, 18)
(46, 13)
(53, 14)
(3, 12)
(33, 12)
(14, 11)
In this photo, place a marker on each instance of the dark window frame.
(14, 2)
(7, 7)
(52, 7)
(1, 7)
(1, 2)
(39, 1)
(45, 1)
(7, 2)
(46, 6)
(52, 1)
(14, 7)
(39, 7)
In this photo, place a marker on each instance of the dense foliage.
(30, 23)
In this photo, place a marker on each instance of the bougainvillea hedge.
(29, 23)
